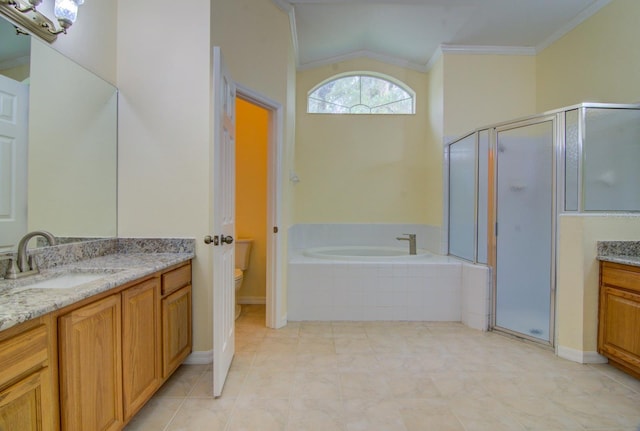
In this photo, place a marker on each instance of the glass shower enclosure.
(506, 185)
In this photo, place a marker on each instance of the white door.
(224, 166)
(14, 111)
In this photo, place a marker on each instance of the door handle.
(209, 239)
(226, 239)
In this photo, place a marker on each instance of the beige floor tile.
(485, 414)
(540, 414)
(203, 387)
(259, 415)
(201, 415)
(403, 385)
(267, 383)
(155, 415)
(427, 420)
(317, 362)
(362, 385)
(316, 385)
(349, 345)
(388, 376)
(182, 381)
(316, 415)
(373, 415)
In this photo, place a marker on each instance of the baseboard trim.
(200, 358)
(582, 357)
(249, 300)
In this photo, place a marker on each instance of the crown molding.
(579, 19)
(487, 49)
(284, 5)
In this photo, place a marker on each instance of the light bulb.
(66, 11)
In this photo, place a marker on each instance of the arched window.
(361, 93)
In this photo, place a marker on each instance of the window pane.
(360, 95)
(610, 160)
(400, 107)
(377, 92)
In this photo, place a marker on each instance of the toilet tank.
(243, 251)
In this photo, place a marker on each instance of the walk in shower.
(506, 185)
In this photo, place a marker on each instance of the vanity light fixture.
(24, 15)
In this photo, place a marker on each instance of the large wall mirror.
(58, 144)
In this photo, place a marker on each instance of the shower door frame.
(557, 189)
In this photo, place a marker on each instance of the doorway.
(259, 123)
(252, 141)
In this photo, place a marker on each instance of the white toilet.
(243, 251)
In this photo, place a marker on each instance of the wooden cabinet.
(91, 366)
(27, 395)
(176, 318)
(141, 344)
(619, 316)
(117, 350)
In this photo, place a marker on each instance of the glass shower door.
(525, 229)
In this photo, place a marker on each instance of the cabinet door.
(21, 405)
(90, 367)
(619, 325)
(176, 329)
(141, 368)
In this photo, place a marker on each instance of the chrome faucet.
(25, 266)
(412, 241)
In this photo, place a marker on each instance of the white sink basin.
(64, 281)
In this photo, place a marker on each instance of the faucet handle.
(12, 272)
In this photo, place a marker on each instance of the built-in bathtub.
(363, 283)
(365, 253)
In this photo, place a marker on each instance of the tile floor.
(388, 376)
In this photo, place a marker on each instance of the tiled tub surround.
(121, 260)
(436, 288)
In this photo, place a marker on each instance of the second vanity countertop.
(624, 252)
(19, 304)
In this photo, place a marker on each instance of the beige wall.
(164, 135)
(577, 277)
(435, 139)
(364, 168)
(480, 90)
(598, 61)
(255, 39)
(252, 128)
(92, 40)
(164, 74)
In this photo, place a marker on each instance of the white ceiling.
(413, 33)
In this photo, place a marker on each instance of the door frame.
(492, 221)
(274, 314)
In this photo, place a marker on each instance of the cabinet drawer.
(174, 280)
(22, 353)
(620, 276)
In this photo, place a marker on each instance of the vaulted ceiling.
(413, 33)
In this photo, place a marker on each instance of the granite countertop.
(624, 252)
(19, 303)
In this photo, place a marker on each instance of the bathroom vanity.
(89, 357)
(619, 311)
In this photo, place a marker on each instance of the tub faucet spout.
(411, 237)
